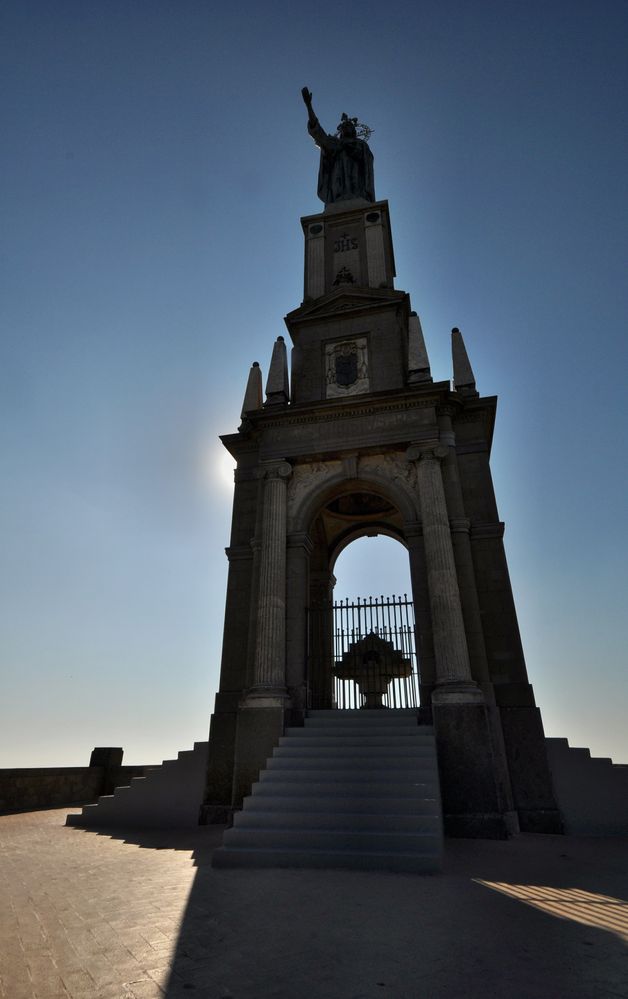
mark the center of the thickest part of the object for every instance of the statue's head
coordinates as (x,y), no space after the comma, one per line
(346,129)
(351,128)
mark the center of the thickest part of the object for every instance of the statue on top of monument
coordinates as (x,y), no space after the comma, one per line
(346,165)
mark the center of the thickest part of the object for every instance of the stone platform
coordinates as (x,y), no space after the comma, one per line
(136,915)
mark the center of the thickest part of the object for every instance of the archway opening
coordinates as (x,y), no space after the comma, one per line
(372,566)
(362,635)
(361,632)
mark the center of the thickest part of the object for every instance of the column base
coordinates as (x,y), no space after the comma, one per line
(263,696)
(457,692)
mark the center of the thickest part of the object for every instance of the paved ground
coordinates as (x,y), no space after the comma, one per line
(144,915)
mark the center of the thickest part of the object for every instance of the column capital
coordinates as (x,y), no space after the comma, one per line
(446,409)
(275,470)
(430,451)
(412,529)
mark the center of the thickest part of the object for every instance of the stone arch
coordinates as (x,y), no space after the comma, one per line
(331,504)
(328,482)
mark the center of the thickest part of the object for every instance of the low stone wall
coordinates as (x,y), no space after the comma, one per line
(30,788)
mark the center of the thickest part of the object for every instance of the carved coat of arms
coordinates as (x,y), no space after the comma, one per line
(347,368)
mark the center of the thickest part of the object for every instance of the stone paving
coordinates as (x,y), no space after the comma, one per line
(138,915)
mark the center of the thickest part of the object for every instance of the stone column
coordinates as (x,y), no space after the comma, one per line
(413,534)
(461,540)
(453,671)
(473,800)
(298,568)
(269,680)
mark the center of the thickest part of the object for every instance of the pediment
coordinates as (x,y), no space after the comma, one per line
(345,300)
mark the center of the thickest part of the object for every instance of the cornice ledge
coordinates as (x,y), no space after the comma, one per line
(317,309)
(343,413)
(481,531)
(237,553)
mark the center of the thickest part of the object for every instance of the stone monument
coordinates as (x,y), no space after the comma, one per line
(359,439)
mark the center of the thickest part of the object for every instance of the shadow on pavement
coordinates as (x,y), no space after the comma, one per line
(534,917)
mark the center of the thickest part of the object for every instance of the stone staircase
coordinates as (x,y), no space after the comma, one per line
(169,796)
(591,792)
(351,789)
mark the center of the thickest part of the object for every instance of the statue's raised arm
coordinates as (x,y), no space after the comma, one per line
(346,165)
(307,98)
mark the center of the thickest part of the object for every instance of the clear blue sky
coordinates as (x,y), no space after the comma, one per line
(155,164)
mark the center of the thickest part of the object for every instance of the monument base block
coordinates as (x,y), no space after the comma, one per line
(219,786)
(258,732)
(473,806)
(530,776)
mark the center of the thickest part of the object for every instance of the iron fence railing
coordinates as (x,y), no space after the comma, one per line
(362,654)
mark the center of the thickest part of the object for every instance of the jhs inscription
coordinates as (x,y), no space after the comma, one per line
(345,243)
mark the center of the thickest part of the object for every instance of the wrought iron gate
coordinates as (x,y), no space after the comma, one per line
(363,654)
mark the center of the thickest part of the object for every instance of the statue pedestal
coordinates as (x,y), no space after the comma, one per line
(350,243)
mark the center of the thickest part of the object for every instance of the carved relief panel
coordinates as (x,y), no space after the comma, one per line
(344,254)
(307,479)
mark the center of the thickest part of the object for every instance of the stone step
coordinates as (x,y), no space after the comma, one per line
(380,735)
(375,776)
(591,791)
(415,863)
(357,736)
(169,796)
(328,726)
(422,766)
(361,719)
(357,790)
(333,840)
(331,820)
(298,747)
(295,801)
(282,784)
